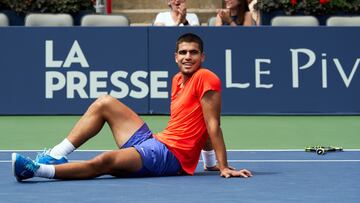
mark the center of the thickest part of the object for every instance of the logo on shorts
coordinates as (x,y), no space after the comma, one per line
(143,151)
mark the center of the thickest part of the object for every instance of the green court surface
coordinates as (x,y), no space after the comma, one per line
(240,132)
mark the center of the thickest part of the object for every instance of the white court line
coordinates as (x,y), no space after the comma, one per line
(231,161)
(229,150)
(291,161)
(259,161)
(40,150)
(278,150)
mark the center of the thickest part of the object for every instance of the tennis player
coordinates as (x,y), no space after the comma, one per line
(194,116)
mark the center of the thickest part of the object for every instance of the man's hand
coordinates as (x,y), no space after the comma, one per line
(215,168)
(227,173)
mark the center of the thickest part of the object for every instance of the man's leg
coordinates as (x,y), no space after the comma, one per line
(123,122)
(121,119)
(116,163)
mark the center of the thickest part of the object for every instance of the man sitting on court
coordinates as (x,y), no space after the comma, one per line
(195,116)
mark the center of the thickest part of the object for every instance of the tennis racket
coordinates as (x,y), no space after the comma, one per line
(321,150)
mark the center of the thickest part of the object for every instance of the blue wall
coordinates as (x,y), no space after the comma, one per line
(264,70)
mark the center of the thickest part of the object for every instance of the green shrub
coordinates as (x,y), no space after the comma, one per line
(47,6)
(310,7)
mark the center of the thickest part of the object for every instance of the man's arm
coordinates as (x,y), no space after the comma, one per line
(211,106)
(208,156)
(208,151)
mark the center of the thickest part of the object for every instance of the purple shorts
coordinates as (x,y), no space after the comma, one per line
(157,159)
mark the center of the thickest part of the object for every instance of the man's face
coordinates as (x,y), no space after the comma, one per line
(189,58)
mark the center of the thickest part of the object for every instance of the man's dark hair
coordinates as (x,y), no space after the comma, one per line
(190,37)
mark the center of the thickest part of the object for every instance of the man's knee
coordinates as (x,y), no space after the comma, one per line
(101,164)
(104,102)
(107,100)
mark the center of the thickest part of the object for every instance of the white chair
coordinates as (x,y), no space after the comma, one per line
(4,21)
(46,19)
(211,21)
(343,21)
(294,21)
(105,20)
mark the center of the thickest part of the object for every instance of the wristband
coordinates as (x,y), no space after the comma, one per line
(209,158)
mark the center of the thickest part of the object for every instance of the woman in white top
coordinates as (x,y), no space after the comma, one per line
(177,16)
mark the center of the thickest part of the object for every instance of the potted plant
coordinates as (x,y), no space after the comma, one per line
(77,8)
(15,10)
(319,8)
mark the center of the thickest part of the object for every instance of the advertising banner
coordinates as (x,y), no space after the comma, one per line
(264,70)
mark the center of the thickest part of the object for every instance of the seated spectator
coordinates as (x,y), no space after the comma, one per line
(177,16)
(255,14)
(235,13)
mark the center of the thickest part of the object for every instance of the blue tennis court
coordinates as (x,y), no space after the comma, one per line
(279,176)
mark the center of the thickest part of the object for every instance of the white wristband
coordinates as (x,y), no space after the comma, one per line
(209,158)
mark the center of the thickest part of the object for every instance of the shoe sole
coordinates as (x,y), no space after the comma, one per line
(13,160)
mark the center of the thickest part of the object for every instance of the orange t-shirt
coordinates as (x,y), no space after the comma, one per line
(186,132)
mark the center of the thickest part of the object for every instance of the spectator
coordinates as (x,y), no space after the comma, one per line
(255,14)
(235,13)
(177,16)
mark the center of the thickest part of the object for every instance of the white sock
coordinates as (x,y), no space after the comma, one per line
(45,171)
(62,149)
